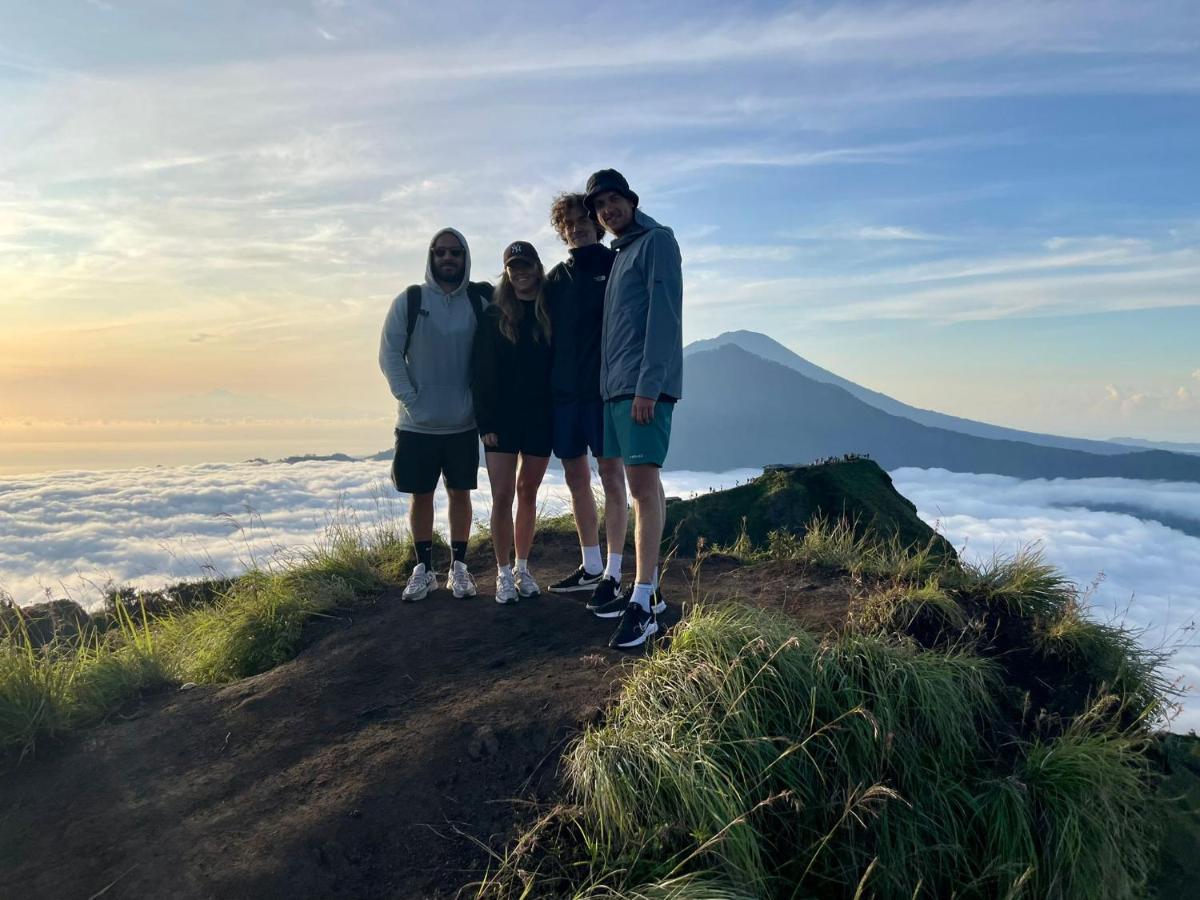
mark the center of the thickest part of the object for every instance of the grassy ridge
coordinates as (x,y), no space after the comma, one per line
(917,753)
(253,623)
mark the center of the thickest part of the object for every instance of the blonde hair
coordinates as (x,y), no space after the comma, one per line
(512,310)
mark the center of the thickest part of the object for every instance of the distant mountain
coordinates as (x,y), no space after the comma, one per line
(1172,446)
(772,350)
(741,410)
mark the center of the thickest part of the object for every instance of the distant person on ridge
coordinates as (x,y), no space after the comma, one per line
(425,353)
(511,386)
(641,378)
(575,291)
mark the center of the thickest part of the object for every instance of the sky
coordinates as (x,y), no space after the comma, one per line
(988,209)
(72,533)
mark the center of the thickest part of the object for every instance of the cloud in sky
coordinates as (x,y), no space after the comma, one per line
(201,189)
(70,531)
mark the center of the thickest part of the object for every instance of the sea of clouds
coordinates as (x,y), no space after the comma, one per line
(72,533)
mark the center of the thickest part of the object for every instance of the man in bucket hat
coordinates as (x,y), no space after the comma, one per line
(641,379)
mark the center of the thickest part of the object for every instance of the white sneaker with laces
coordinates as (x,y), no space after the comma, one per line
(526,586)
(460,581)
(420,583)
(506,591)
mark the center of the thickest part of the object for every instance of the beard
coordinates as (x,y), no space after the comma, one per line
(450,272)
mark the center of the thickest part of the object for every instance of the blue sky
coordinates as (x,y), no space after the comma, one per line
(991,209)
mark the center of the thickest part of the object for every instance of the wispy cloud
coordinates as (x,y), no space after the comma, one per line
(281,188)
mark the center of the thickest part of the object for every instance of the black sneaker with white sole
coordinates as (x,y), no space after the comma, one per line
(637,626)
(579,580)
(658,605)
(607,600)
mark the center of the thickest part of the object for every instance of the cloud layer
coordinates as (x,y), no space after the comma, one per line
(1146,574)
(71,532)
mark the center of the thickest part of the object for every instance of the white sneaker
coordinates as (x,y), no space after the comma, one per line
(506,591)
(526,586)
(420,583)
(459,580)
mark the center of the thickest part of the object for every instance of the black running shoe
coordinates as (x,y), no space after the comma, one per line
(636,627)
(579,580)
(607,601)
(658,605)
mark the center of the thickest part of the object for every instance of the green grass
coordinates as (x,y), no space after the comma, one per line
(750,753)
(254,624)
(49,690)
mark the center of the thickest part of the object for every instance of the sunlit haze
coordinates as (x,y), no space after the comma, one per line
(989,209)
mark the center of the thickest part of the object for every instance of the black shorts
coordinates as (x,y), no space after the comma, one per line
(531,434)
(421,458)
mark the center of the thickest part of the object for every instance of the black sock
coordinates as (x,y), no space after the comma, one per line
(459,549)
(425,554)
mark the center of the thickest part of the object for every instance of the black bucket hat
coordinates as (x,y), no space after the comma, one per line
(607,180)
(521,250)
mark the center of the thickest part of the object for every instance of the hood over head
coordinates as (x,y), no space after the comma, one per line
(429,279)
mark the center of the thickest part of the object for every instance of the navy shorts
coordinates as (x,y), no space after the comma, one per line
(578,428)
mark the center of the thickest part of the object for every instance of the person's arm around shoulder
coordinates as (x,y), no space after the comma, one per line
(664,317)
(483,378)
(391,351)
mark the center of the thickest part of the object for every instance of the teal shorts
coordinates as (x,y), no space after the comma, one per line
(637,444)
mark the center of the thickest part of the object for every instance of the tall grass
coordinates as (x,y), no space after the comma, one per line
(256,623)
(48,690)
(752,754)
(840,545)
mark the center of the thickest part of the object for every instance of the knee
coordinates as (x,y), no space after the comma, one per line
(644,487)
(502,497)
(613,481)
(527,493)
(578,476)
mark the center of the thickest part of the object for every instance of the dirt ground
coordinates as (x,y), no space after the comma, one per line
(383,762)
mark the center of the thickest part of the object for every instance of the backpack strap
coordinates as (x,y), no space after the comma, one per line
(413,307)
(478,292)
(480,295)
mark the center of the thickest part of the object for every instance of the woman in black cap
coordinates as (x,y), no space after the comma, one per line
(513,408)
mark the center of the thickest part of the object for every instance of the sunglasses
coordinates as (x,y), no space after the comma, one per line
(439,252)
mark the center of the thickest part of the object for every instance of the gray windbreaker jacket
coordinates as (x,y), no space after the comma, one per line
(433,385)
(641,347)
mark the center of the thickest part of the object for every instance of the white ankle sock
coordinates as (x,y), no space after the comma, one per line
(613,569)
(522,565)
(504,570)
(641,595)
(592,563)
(655,582)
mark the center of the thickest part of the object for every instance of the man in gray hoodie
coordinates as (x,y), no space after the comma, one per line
(641,378)
(425,354)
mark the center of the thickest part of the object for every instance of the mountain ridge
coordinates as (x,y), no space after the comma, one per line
(742,410)
(768,348)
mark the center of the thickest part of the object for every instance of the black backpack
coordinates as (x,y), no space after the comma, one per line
(478,292)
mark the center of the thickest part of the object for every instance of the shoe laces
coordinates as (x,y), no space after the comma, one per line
(418,577)
(459,574)
(504,580)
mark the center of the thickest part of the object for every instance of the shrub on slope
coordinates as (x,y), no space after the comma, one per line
(918,753)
